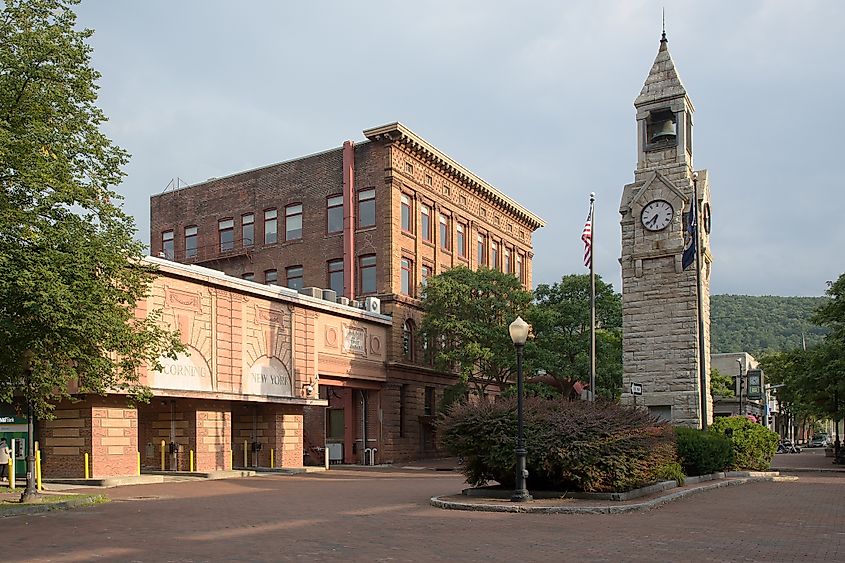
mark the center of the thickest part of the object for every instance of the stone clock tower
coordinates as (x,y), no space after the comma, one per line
(660,325)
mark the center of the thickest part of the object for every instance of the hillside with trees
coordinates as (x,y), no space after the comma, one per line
(758,324)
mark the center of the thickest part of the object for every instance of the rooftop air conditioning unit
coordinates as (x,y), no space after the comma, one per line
(372,305)
(315,292)
(343,300)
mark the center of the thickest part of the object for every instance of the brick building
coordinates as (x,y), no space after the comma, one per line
(237,395)
(367,219)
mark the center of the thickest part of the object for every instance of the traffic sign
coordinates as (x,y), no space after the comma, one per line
(636,389)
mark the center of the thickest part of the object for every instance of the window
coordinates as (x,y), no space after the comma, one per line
(494,256)
(426,273)
(482,211)
(409,168)
(403,399)
(167,244)
(271,226)
(226,230)
(445,238)
(507,265)
(446,190)
(428,180)
(293,222)
(461,243)
(336,276)
(367,208)
(406,213)
(191,242)
(462,199)
(271,276)
(407,275)
(428,409)
(248,276)
(425,222)
(479,255)
(367,273)
(408,339)
(294,277)
(520,272)
(248,230)
(334,214)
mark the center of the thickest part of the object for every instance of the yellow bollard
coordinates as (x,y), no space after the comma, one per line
(245,453)
(139,463)
(272,465)
(38,470)
(11,472)
(162,455)
(192,461)
(87,470)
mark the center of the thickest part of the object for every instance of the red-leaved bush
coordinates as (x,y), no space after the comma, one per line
(572,445)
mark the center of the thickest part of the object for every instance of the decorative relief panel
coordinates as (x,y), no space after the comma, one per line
(181,299)
(267,350)
(189,372)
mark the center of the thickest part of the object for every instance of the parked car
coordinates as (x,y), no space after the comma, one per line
(819,441)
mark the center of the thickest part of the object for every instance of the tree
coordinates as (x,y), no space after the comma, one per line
(467,314)
(70,270)
(561,321)
(721,385)
(814,379)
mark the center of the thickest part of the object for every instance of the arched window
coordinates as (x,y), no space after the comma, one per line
(408,339)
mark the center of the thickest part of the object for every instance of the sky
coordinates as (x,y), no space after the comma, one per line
(536,97)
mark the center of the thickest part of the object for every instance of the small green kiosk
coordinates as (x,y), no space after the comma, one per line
(14,427)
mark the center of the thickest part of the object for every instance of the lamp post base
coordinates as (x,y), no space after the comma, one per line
(521,496)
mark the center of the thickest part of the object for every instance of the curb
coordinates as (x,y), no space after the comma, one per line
(29,509)
(809,469)
(634,507)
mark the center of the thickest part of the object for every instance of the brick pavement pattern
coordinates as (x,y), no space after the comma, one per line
(384,515)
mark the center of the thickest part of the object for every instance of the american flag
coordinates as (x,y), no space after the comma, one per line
(587,237)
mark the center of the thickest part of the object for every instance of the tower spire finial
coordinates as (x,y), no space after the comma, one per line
(663,35)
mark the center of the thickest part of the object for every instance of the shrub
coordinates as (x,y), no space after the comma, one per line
(754,446)
(571,445)
(671,471)
(702,453)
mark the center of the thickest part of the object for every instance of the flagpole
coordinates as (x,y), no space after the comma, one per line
(592,296)
(702,373)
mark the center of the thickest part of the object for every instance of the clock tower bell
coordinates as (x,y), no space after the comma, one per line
(662,347)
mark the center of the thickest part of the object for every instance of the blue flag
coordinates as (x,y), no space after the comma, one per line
(691,241)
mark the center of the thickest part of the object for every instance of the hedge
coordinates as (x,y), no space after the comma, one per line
(573,445)
(754,446)
(702,453)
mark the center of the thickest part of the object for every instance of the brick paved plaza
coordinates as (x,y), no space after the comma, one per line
(384,515)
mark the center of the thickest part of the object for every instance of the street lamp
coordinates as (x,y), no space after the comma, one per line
(741,402)
(519,334)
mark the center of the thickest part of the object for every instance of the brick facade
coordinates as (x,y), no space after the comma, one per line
(393,163)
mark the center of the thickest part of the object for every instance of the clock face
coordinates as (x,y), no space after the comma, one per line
(657,215)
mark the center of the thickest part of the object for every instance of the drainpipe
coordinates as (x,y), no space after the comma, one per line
(364,425)
(349,219)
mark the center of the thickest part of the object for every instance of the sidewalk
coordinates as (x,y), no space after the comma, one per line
(810,459)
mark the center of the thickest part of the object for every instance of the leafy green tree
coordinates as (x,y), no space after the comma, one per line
(560,318)
(70,270)
(721,385)
(814,379)
(467,314)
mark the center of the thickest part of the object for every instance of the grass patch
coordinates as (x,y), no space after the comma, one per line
(43,503)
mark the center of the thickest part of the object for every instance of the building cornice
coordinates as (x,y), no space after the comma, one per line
(398,133)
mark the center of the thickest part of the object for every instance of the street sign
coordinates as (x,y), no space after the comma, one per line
(636,389)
